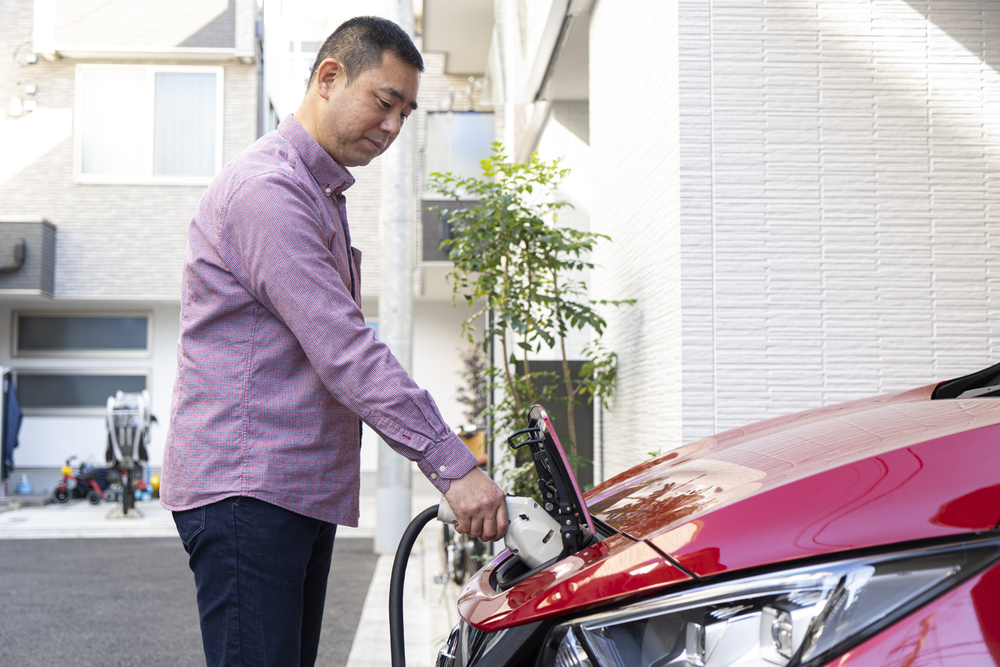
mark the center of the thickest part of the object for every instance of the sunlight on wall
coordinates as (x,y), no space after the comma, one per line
(25,140)
(944,61)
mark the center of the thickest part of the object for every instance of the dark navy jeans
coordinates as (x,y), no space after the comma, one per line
(261,575)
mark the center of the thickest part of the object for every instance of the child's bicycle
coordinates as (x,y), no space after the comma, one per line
(87,482)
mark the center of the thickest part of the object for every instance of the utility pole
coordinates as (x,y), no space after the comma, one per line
(397,217)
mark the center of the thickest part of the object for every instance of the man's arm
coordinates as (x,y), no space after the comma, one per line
(272,240)
(479,505)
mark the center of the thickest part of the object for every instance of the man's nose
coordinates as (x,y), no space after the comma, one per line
(391,124)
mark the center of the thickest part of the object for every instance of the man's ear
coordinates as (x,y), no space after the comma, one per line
(326,74)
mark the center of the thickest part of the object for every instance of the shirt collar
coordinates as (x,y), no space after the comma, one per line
(330,176)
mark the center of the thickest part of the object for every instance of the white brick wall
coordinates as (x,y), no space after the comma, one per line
(839,200)
(803,196)
(634,125)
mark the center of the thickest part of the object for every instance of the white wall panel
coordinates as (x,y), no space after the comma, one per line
(839,200)
(437,348)
(636,170)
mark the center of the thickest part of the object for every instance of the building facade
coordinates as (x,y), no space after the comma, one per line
(802,196)
(116,116)
(124,112)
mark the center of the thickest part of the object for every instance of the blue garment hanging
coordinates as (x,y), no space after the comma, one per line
(12,426)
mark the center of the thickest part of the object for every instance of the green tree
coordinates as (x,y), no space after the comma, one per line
(513,261)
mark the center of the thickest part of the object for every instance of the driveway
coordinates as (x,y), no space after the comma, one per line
(129,602)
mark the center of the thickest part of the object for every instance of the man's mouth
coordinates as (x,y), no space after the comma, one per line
(377,147)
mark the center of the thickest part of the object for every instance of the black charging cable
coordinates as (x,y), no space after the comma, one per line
(396,648)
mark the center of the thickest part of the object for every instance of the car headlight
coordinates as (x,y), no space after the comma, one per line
(802,616)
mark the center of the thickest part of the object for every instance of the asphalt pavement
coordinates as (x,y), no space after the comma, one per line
(131,601)
(82,585)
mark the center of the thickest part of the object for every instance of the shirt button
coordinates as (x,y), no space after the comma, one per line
(328,191)
(434,475)
(443,468)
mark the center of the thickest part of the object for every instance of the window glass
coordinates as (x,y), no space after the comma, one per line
(148,123)
(457,141)
(471,141)
(68,334)
(113,115)
(437,146)
(72,390)
(184,124)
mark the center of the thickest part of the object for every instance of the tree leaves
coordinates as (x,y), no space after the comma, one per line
(510,258)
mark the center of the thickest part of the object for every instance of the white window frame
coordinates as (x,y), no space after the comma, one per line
(81,354)
(149,178)
(71,411)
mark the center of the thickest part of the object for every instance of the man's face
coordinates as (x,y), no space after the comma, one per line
(359,121)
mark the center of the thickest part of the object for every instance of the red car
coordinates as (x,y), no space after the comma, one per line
(861,534)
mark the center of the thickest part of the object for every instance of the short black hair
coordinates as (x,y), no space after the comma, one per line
(360,42)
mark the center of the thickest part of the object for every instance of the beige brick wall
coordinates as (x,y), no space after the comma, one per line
(117,241)
(113,241)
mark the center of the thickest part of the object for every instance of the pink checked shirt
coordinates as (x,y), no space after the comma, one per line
(275,362)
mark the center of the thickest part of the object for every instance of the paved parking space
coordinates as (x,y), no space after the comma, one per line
(73,595)
(131,602)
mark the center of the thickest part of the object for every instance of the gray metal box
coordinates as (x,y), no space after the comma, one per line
(37,273)
(436,229)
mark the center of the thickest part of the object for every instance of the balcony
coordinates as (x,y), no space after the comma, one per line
(124,29)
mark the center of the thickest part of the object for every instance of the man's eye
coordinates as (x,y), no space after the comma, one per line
(383,103)
(403,117)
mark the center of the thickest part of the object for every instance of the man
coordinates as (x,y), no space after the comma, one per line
(275,365)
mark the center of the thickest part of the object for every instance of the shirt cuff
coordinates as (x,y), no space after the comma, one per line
(448,460)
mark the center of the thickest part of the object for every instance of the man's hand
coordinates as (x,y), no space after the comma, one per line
(479,505)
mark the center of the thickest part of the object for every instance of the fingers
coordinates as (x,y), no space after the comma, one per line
(494,523)
(464,526)
(477,529)
(479,506)
(503,521)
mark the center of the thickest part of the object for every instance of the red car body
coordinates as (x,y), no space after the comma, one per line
(829,483)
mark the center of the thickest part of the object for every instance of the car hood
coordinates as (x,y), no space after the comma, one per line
(877,471)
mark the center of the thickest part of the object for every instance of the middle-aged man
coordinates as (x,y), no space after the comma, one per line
(276,365)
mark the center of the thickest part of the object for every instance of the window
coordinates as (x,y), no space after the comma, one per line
(81,335)
(148,124)
(54,392)
(457,141)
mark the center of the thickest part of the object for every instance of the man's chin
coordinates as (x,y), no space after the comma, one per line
(355,161)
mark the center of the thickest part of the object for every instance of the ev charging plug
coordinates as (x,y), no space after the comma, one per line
(532,534)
